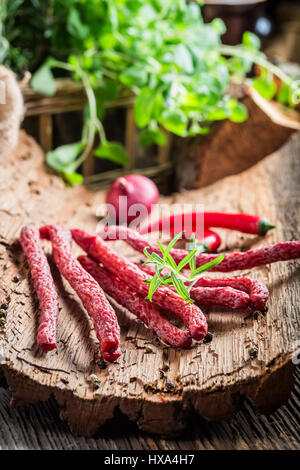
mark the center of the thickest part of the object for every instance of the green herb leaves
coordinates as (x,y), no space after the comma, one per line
(265,87)
(43,81)
(63,157)
(67,158)
(173,276)
(112,151)
(135,75)
(238,112)
(75,26)
(152,136)
(163,53)
(183,59)
(63,160)
(174,121)
(251,41)
(247,54)
(143,107)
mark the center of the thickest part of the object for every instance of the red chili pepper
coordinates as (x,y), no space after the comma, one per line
(92,296)
(213,294)
(210,242)
(142,308)
(258,293)
(163,297)
(195,221)
(283,251)
(44,286)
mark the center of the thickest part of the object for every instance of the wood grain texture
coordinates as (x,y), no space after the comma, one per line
(212,379)
(40,427)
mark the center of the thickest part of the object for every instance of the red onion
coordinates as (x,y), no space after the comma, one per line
(137,189)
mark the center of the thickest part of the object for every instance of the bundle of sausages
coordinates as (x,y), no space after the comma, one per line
(103,270)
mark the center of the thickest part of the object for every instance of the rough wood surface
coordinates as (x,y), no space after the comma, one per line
(212,379)
(39,427)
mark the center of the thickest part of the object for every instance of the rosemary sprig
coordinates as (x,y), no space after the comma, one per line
(174,276)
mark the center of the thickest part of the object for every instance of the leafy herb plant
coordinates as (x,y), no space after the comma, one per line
(162,52)
(174,276)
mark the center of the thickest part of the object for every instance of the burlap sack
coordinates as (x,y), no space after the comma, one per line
(11,111)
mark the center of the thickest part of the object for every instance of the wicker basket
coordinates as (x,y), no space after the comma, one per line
(70,96)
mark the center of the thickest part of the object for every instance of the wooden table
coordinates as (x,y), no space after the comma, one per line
(209,379)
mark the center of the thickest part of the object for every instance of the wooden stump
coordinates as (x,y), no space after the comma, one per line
(211,379)
(233,147)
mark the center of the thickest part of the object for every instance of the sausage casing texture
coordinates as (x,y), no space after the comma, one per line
(44,286)
(136,304)
(213,293)
(164,297)
(92,296)
(283,251)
